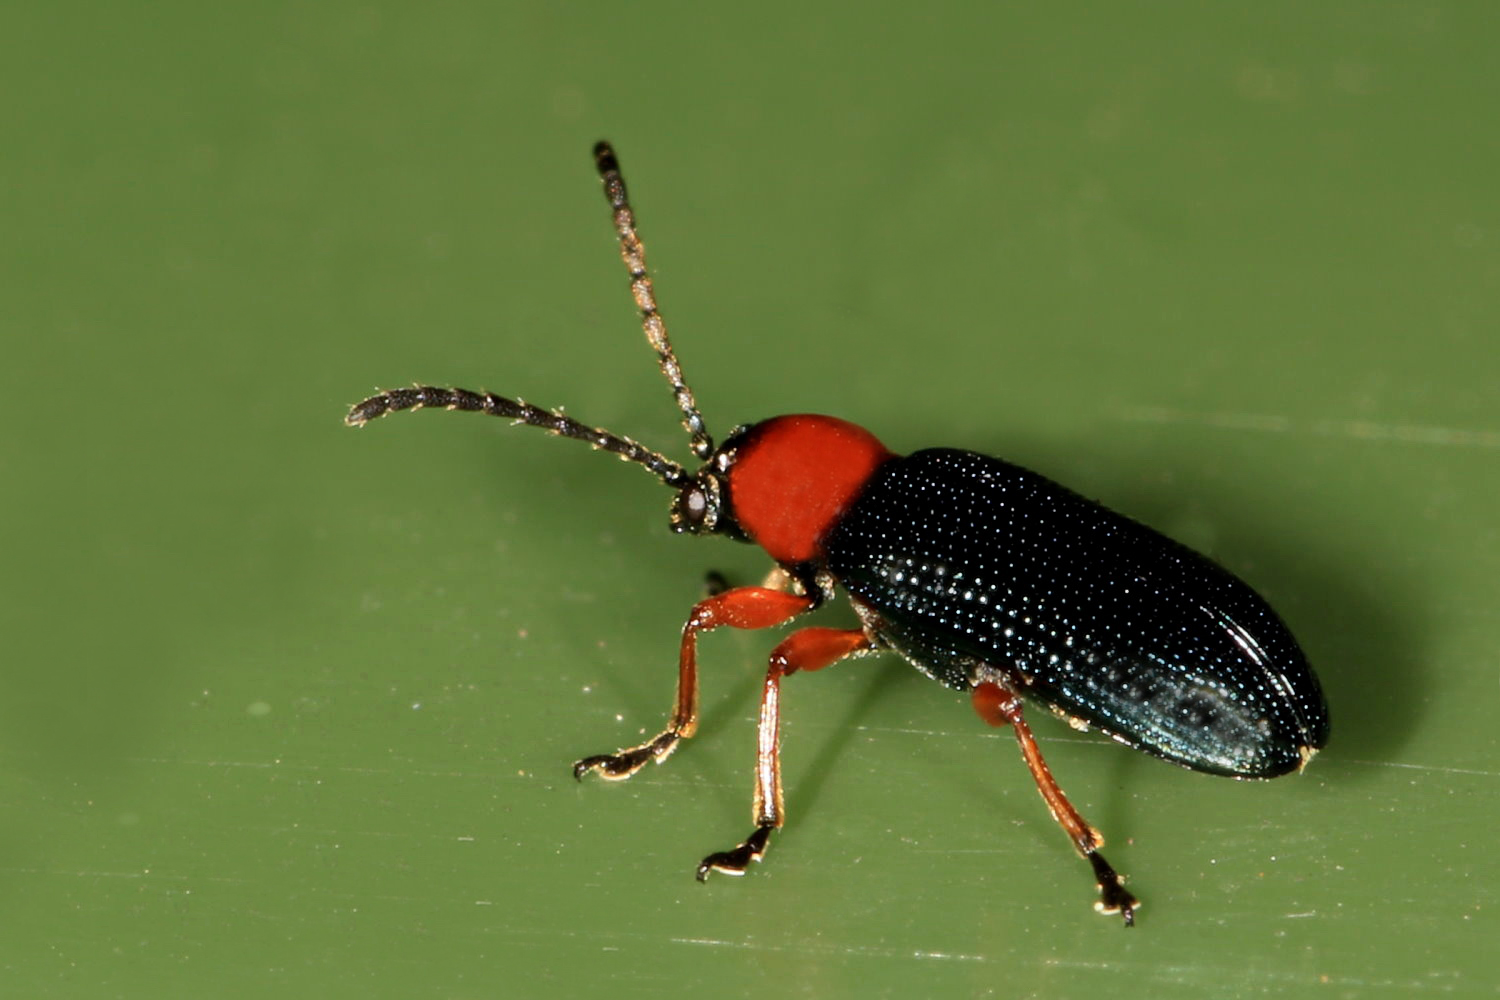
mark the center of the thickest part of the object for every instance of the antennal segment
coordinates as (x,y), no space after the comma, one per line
(634,255)
(427,396)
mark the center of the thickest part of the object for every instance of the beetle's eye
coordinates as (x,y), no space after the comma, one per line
(692,510)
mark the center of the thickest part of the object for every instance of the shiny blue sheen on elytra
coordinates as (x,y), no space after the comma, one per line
(960,561)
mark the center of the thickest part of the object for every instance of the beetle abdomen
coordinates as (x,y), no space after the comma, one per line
(965,559)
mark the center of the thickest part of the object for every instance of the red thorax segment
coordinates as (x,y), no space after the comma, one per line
(794,476)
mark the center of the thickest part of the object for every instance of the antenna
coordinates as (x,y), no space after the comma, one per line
(634,255)
(423,396)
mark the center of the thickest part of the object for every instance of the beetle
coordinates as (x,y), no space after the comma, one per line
(989,578)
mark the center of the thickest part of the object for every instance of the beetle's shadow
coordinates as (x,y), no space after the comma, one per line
(813,775)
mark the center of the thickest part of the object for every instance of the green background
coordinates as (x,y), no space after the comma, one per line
(288,709)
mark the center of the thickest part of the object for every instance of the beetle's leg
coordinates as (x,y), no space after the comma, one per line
(742,607)
(998,705)
(805,649)
(777,578)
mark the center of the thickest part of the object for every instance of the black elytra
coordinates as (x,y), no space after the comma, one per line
(987,577)
(968,560)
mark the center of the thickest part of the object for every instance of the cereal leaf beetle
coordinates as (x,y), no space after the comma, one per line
(985,576)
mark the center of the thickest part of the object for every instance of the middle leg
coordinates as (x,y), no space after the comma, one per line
(807,649)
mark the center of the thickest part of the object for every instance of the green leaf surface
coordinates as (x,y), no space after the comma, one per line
(288,709)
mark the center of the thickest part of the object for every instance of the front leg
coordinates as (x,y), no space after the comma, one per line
(742,607)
